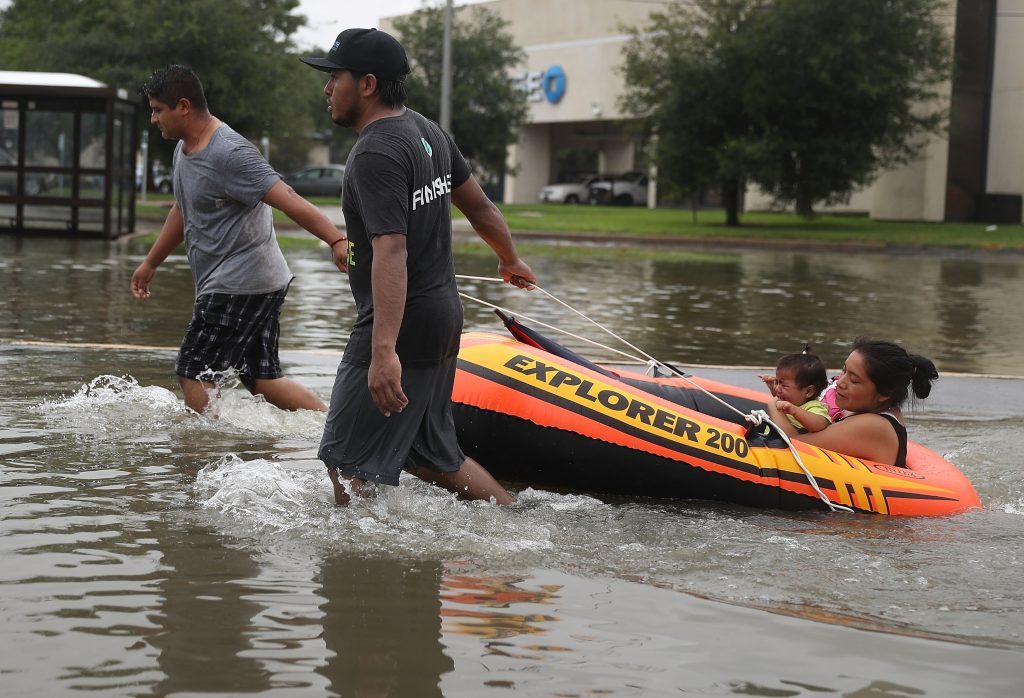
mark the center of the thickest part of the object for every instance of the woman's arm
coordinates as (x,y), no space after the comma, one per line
(868,436)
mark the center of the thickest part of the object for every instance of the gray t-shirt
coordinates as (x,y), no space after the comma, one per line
(229,231)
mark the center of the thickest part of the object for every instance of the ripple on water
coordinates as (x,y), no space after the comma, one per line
(903,573)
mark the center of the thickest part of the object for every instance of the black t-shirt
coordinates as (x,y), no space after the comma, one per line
(398,179)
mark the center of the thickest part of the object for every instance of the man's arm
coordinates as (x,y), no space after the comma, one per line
(389,279)
(172,234)
(491,226)
(283,197)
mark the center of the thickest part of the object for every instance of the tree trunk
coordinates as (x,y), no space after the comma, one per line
(731,201)
(804,205)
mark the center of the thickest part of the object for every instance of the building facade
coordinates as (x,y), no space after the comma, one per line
(572,80)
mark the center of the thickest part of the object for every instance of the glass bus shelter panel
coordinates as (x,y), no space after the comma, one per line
(48,143)
(48,138)
(123,196)
(47,217)
(90,220)
(93,132)
(9,123)
(91,186)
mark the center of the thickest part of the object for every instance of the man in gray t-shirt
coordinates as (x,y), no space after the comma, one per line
(222,187)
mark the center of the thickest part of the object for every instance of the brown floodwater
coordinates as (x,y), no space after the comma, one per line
(149,552)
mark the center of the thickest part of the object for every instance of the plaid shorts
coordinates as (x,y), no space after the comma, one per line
(228,331)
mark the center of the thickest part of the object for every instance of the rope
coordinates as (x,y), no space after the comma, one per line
(759,417)
(550,327)
(756,417)
(644,354)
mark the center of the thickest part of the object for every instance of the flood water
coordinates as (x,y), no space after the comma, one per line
(149,552)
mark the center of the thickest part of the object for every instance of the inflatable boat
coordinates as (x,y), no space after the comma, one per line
(535,413)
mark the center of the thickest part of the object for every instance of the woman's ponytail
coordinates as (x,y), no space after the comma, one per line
(924,374)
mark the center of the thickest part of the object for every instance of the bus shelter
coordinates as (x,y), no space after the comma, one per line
(67,156)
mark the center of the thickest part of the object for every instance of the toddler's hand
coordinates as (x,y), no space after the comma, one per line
(785,407)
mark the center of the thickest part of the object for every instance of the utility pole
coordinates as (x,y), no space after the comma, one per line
(446,70)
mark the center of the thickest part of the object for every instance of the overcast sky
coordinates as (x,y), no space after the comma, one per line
(325,18)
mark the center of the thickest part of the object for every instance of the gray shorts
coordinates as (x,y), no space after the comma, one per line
(360,442)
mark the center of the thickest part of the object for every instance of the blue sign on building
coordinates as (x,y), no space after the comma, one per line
(543,84)
(554,84)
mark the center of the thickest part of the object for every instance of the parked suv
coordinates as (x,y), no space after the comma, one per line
(620,190)
(568,192)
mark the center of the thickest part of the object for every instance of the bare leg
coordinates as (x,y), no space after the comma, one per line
(286,394)
(197,395)
(341,497)
(471,481)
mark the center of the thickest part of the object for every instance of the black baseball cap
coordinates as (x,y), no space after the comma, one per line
(364,51)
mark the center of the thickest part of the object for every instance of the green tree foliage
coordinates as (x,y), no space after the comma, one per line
(809,99)
(487,107)
(239,48)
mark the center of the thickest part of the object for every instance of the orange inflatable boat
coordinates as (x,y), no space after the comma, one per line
(535,413)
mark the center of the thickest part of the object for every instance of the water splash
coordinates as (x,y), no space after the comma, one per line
(110,403)
(260,489)
(414,518)
(237,410)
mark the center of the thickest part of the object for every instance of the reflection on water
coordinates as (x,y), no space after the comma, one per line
(382,626)
(743,308)
(490,594)
(747,308)
(148,551)
(204,616)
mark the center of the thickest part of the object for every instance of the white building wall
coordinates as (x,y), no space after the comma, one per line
(860,201)
(916,191)
(585,39)
(532,158)
(1005,173)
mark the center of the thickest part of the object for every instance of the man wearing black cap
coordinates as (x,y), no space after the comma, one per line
(391,404)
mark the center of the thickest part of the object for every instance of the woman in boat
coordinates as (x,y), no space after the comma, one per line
(875,383)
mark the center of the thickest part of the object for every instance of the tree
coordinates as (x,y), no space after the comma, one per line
(809,99)
(239,48)
(487,107)
(843,90)
(679,74)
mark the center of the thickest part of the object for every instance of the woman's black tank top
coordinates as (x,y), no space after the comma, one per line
(901,434)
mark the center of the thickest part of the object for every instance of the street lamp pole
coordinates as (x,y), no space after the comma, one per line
(446,70)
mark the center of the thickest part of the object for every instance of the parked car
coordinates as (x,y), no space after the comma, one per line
(627,189)
(160,178)
(568,192)
(317,180)
(162,181)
